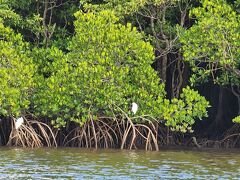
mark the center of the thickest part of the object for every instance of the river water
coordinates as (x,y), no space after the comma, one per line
(74,163)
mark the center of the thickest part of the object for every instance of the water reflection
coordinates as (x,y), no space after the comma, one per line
(73,163)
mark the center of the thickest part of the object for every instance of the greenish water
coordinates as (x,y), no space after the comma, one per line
(73,163)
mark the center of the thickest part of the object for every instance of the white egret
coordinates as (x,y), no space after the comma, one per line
(134,107)
(18,122)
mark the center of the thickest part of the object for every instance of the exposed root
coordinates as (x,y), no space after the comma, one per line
(117,131)
(231,139)
(31,134)
(93,134)
(114,132)
(139,135)
(120,131)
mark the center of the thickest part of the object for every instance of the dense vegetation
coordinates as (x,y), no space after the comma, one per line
(72,70)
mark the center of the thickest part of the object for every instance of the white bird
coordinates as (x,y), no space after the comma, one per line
(134,107)
(18,122)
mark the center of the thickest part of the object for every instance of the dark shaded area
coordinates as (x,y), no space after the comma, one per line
(224,107)
(4,130)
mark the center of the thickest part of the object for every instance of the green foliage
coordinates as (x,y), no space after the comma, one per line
(44,58)
(236,119)
(211,46)
(7,14)
(181,113)
(109,65)
(120,7)
(102,68)
(39,20)
(16,72)
(24,19)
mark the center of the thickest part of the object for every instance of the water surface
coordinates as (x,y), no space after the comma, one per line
(74,163)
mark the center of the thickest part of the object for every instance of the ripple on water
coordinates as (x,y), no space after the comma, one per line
(73,163)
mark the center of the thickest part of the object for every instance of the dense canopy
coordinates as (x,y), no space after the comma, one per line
(68,63)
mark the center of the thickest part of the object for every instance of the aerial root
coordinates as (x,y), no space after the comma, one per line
(122,132)
(105,132)
(31,134)
(230,139)
(93,134)
(114,133)
(139,135)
